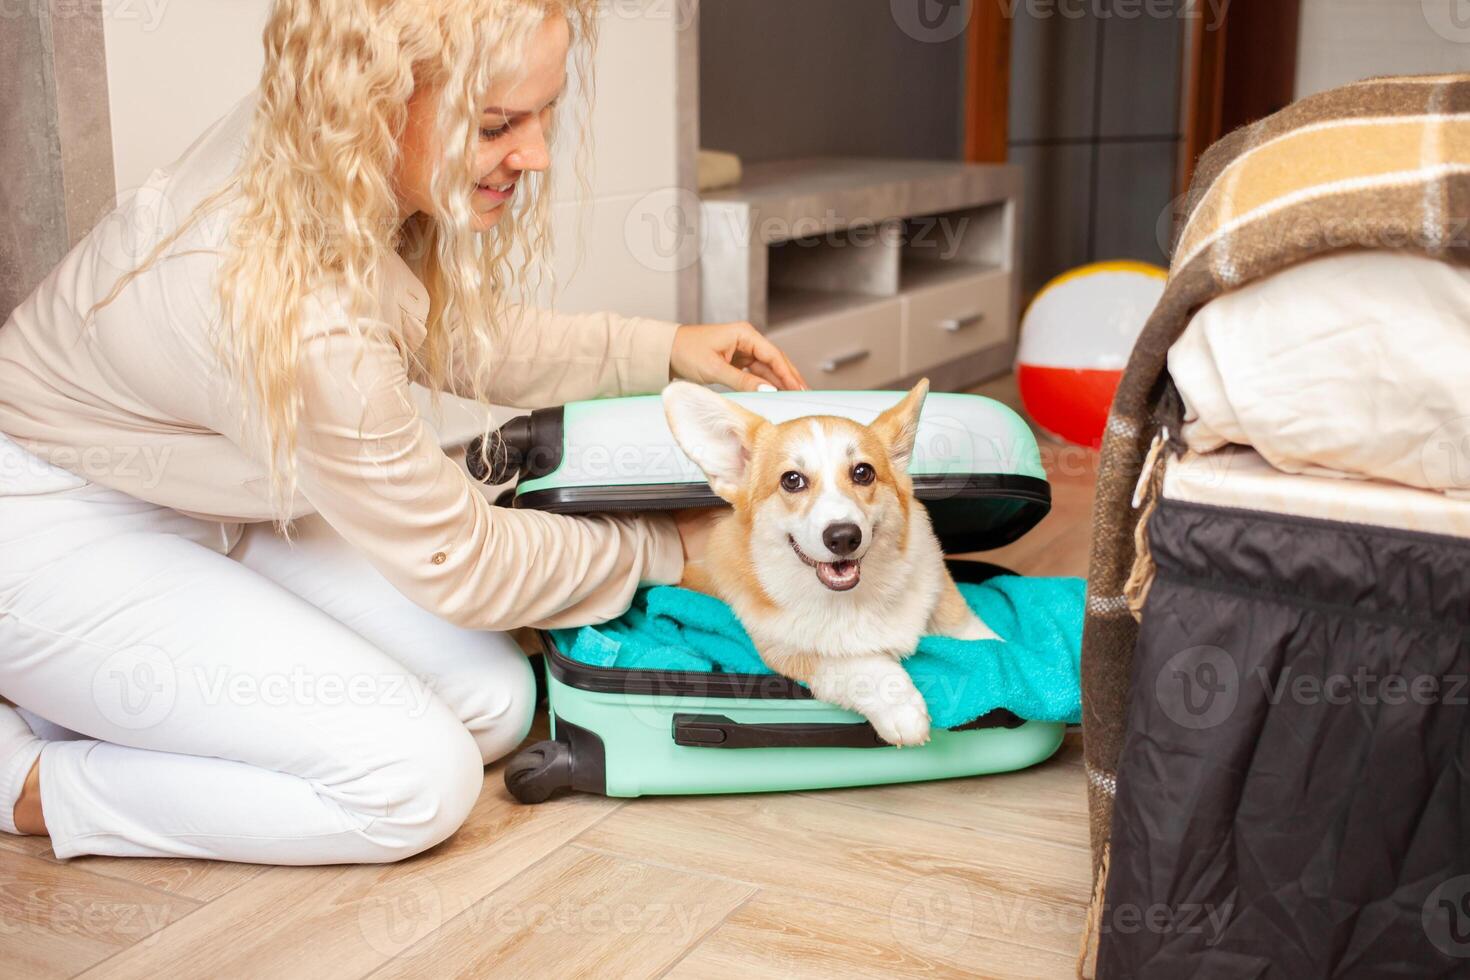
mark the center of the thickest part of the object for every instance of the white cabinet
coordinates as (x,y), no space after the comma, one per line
(847,349)
(962,315)
(869,272)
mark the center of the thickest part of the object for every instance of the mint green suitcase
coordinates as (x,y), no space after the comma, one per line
(625,733)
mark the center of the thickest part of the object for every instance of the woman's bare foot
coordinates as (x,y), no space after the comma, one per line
(29,818)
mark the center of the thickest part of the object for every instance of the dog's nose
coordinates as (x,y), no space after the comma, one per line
(842,539)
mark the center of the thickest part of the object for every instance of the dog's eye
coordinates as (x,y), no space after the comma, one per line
(862,474)
(792,481)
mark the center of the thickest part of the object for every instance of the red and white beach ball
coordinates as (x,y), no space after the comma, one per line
(1075,342)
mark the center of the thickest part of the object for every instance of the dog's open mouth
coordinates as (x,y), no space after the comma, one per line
(839,576)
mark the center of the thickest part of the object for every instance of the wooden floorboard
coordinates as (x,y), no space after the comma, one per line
(200,880)
(348,921)
(780,936)
(576,914)
(1048,801)
(984,877)
(880,863)
(57,920)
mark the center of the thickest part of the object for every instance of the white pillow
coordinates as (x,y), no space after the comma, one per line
(1356,364)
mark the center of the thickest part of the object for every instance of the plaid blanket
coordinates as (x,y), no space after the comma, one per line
(1381,164)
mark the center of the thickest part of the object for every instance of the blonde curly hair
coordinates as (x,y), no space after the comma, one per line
(316,201)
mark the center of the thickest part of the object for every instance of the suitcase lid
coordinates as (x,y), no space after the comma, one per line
(976,464)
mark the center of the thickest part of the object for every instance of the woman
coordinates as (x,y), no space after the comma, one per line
(234,346)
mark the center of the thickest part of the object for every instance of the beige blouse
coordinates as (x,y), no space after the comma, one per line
(139,403)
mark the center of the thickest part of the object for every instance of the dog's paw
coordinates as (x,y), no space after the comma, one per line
(973,628)
(904,724)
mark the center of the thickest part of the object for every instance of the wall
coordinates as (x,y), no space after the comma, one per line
(55,171)
(172,69)
(793,78)
(33,235)
(1347,40)
(1094,120)
(632,247)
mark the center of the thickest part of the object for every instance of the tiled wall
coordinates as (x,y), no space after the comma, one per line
(1346,40)
(781,79)
(1094,120)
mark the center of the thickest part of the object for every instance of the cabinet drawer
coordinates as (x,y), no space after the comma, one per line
(856,348)
(944,322)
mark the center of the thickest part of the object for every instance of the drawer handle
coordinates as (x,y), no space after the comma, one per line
(961,323)
(844,360)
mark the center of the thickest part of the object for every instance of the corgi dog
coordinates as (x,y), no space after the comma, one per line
(826,556)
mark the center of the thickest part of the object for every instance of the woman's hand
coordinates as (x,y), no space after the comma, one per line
(695,526)
(736,355)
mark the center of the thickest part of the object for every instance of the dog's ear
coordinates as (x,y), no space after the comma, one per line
(898,426)
(714,432)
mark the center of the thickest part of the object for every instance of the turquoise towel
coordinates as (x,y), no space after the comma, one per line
(1034,672)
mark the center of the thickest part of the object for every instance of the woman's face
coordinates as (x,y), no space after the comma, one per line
(513,130)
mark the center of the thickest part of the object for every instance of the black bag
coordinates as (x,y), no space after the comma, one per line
(1293,798)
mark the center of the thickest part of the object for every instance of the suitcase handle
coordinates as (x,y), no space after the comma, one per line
(526,447)
(720,732)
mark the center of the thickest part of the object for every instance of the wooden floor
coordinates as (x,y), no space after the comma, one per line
(977,877)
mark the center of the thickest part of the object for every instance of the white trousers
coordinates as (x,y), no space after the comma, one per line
(237,697)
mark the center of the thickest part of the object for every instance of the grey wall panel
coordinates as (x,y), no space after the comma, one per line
(1058,208)
(33,235)
(1134,182)
(1053,73)
(56,175)
(1141,62)
(1094,117)
(793,78)
(83,116)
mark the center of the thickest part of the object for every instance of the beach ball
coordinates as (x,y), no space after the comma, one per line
(1075,341)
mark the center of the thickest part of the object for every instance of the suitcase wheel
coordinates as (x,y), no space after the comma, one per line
(537,771)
